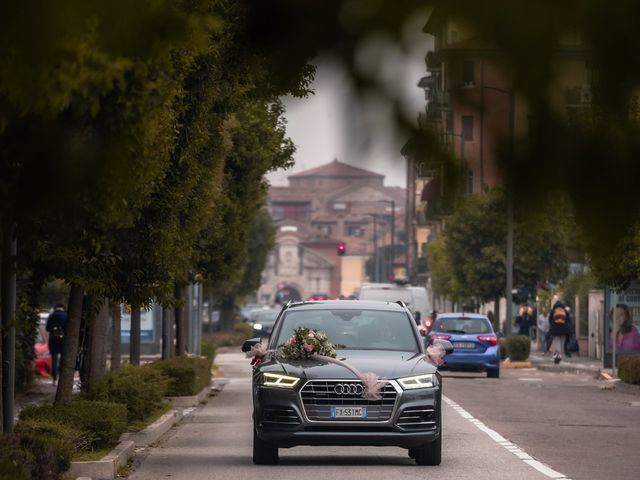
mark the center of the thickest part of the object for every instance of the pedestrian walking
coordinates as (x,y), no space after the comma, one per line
(523,321)
(57,327)
(559,321)
(543,331)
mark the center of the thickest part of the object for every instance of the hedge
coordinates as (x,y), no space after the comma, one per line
(141,388)
(503,348)
(187,375)
(629,369)
(101,423)
(518,347)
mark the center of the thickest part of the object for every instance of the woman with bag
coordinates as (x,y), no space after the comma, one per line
(559,329)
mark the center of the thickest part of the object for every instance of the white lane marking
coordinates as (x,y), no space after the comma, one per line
(530,379)
(507,444)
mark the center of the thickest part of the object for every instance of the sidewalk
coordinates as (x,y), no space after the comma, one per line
(573,364)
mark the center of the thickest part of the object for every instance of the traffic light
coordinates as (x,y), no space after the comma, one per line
(341,249)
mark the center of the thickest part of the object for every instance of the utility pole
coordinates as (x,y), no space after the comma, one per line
(376,259)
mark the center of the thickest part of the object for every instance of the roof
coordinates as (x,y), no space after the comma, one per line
(461,315)
(347,305)
(336,169)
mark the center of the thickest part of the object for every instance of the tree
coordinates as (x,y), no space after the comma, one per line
(473,249)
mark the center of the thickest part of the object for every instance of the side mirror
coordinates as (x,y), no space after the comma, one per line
(248,344)
(417,317)
(446,344)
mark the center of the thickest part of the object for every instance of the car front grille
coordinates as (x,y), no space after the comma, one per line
(318,396)
(417,418)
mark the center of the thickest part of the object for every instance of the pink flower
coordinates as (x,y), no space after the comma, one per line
(292,340)
(311,335)
(308,347)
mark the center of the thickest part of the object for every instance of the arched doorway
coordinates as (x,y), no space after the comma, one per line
(286,293)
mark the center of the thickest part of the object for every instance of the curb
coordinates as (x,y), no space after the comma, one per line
(190,401)
(153,432)
(107,468)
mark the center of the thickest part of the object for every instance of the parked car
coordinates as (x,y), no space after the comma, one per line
(43,357)
(475,343)
(312,402)
(263,322)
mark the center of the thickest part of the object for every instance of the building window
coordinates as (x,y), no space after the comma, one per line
(324,229)
(354,230)
(339,206)
(467,128)
(468,73)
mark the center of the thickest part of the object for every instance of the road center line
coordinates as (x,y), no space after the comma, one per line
(507,444)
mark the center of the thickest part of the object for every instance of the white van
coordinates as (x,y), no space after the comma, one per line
(416,298)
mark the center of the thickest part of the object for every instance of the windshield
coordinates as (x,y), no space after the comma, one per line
(462,325)
(355,329)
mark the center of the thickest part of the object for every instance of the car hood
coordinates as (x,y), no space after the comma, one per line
(384,363)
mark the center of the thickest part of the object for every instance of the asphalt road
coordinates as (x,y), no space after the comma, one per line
(527,425)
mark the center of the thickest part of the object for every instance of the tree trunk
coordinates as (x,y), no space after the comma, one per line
(166,333)
(116,332)
(70,352)
(86,331)
(227,314)
(97,354)
(2,260)
(134,339)
(181,330)
(496,315)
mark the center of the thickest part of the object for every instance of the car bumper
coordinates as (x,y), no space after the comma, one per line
(281,420)
(472,361)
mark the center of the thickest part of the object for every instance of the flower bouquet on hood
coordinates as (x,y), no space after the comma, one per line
(304,343)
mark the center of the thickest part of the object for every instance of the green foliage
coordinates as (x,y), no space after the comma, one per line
(141,388)
(27,320)
(243,328)
(101,422)
(629,369)
(503,348)
(15,461)
(208,350)
(63,440)
(518,347)
(468,262)
(187,375)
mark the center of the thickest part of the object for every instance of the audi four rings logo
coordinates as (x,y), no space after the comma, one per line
(348,389)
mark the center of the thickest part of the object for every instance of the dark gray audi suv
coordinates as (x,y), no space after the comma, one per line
(316,402)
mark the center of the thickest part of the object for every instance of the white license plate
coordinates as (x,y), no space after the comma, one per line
(464,345)
(348,412)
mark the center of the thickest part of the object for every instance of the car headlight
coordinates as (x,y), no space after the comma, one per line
(418,381)
(257,326)
(278,380)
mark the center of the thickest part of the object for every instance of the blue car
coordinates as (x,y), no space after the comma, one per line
(475,344)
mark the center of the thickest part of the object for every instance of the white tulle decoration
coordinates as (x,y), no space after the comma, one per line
(435,354)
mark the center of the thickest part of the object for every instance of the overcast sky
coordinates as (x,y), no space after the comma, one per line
(330,124)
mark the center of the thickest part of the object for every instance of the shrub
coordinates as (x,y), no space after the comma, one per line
(141,388)
(503,348)
(246,329)
(629,369)
(208,351)
(15,462)
(518,347)
(187,375)
(101,422)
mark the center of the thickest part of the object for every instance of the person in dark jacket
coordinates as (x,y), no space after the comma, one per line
(57,327)
(559,329)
